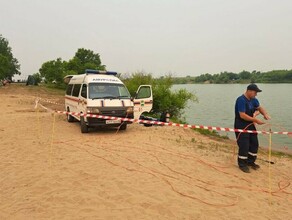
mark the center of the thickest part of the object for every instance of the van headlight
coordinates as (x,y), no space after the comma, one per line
(130,110)
(93,110)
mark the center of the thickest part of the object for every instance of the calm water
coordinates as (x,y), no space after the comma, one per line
(216,108)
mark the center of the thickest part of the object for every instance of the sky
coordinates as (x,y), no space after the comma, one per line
(181,37)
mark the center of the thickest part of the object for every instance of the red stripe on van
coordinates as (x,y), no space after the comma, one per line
(72,99)
(150,102)
(76,100)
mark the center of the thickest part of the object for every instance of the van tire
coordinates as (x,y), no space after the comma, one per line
(83,125)
(70,118)
(123,127)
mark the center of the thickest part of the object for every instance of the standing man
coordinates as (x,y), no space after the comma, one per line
(246,107)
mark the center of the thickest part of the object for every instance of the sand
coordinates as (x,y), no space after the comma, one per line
(49,170)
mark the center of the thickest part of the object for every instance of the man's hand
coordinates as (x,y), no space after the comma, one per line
(264,113)
(259,122)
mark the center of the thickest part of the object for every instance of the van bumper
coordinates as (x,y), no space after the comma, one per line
(94,122)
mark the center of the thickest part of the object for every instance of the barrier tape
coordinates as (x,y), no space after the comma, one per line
(173,124)
(37,102)
(48,101)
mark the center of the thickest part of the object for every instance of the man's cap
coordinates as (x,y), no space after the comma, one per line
(253,87)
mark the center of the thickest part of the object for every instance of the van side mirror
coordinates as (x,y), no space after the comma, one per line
(133,97)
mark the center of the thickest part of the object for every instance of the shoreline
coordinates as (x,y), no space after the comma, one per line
(55,92)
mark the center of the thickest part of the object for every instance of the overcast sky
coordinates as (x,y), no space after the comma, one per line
(183,37)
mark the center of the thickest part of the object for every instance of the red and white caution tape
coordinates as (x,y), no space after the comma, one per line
(173,124)
(37,102)
(48,101)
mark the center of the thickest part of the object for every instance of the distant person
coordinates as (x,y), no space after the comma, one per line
(247,107)
(6,82)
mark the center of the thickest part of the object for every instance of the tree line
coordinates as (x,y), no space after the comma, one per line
(54,71)
(274,76)
(165,99)
(50,71)
(9,65)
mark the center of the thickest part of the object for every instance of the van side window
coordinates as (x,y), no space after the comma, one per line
(76,90)
(84,91)
(69,89)
(144,92)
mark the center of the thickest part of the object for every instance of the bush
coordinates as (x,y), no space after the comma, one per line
(164,99)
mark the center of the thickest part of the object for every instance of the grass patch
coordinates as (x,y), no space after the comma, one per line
(277,153)
(55,88)
(201,131)
(177,120)
(210,133)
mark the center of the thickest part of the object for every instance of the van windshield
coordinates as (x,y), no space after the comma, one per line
(108,91)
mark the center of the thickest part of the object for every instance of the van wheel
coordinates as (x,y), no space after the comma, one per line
(70,118)
(83,125)
(123,127)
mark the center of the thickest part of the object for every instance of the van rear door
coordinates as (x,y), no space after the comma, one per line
(143,101)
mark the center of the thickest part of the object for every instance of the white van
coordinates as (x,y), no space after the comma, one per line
(102,93)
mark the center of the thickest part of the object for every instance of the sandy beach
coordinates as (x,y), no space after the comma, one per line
(50,170)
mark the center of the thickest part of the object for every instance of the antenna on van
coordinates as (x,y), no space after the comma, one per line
(90,71)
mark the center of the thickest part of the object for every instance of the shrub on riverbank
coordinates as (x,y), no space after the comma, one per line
(164,98)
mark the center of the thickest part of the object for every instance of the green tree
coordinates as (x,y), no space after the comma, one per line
(53,71)
(164,98)
(37,77)
(84,59)
(244,75)
(73,66)
(203,78)
(289,76)
(9,65)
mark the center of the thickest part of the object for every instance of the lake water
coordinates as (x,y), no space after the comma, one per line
(216,108)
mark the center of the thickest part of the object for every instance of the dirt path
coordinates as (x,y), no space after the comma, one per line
(49,170)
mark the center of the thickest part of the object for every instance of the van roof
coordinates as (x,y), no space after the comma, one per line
(90,71)
(94,78)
